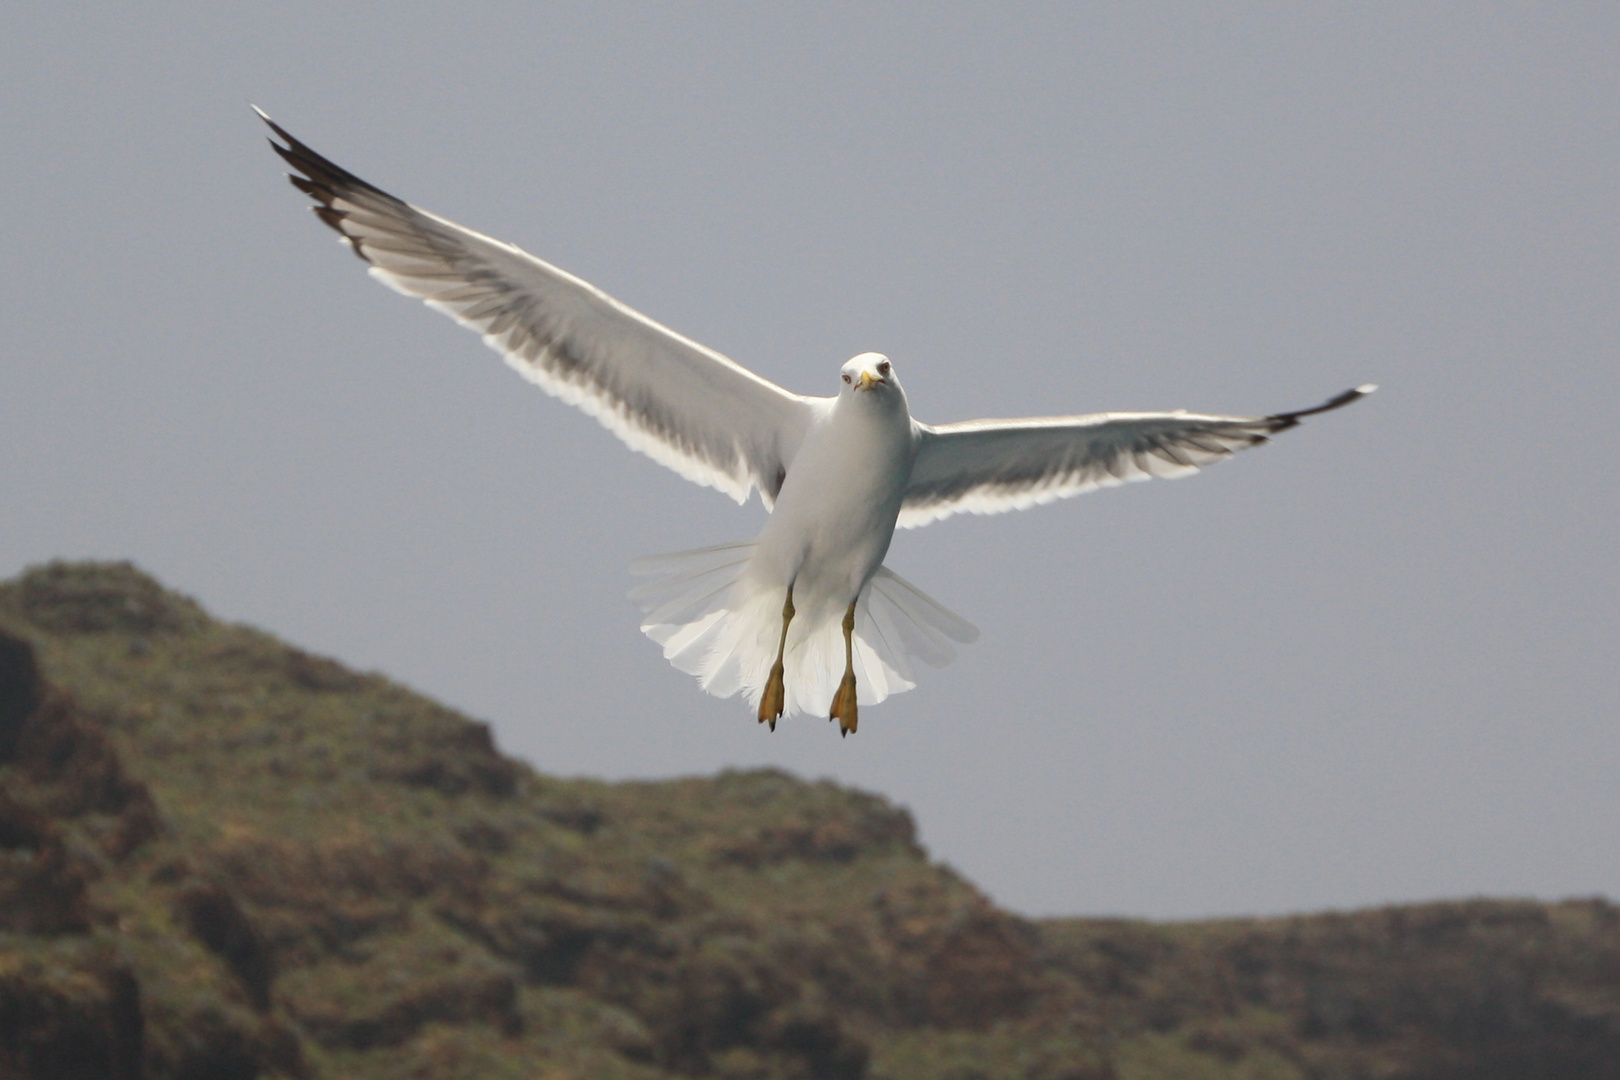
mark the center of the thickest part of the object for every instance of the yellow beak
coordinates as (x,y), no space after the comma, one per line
(868,380)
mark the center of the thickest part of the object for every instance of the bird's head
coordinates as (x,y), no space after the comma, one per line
(867,373)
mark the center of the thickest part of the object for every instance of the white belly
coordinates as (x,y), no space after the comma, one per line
(835,514)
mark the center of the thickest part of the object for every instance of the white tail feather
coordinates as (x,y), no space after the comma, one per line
(723,625)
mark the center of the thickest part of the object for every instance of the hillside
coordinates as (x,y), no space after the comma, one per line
(222,857)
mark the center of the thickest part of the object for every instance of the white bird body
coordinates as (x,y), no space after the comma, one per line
(806,613)
(835,515)
(829,530)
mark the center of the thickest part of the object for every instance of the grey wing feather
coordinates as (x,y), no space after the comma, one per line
(685,406)
(993,466)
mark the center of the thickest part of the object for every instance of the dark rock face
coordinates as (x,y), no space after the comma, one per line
(42,890)
(59,767)
(213,915)
(20,689)
(84,1026)
(82,1019)
(64,759)
(222,858)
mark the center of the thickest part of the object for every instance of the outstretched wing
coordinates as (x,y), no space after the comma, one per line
(992,466)
(679,403)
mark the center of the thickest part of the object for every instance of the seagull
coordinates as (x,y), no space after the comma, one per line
(805,617)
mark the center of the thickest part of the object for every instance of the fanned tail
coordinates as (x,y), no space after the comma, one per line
(895,623)
(721,624)
(689,599)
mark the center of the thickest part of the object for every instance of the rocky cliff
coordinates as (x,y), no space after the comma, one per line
(222,857)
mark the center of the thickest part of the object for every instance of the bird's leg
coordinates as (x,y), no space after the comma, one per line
(775,696)
(843,704)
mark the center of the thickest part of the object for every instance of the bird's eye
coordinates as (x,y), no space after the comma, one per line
(846,378)
(883,368)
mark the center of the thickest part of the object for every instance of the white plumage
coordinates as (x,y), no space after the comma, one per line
(839,474)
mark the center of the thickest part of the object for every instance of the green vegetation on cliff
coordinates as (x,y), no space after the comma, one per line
(221,857)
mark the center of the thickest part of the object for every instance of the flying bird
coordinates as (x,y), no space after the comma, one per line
(804,617)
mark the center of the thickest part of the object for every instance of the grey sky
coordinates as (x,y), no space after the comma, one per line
(1373,662)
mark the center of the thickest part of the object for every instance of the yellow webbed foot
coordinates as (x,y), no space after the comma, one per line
(775,697)
(844,709)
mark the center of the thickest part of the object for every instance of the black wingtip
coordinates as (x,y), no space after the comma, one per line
(322,172)
(1282,421)
(322,180)
(280,132)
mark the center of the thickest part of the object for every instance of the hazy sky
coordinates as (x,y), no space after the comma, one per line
(1373,662)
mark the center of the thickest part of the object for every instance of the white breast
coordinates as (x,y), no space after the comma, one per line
(835,514)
